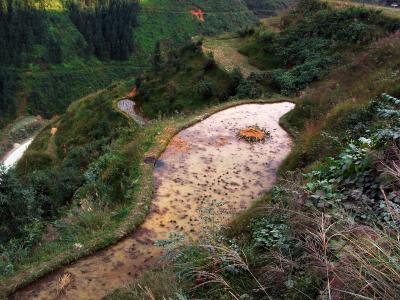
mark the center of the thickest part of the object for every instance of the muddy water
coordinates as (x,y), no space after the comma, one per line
(203,163)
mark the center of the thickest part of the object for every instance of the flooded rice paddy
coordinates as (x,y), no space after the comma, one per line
(202,164)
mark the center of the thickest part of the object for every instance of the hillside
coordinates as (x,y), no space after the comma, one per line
(71,49)
(265,8)
(322,224)
(86,166)
(329,227)
(55,64)
(60,50)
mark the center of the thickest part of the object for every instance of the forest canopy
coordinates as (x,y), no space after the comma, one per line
(107,26)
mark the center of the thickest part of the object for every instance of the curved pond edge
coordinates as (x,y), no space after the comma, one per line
(143,197)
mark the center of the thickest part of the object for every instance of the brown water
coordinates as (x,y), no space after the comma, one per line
(203,163)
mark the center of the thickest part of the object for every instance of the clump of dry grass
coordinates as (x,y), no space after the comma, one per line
(154,284)
(63,282)
(222,257)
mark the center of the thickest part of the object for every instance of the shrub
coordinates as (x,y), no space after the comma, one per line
(248,89)
(205,89)
(105,180)
(34,160)
(209,63)
(268,234)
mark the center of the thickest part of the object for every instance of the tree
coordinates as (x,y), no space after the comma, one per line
(157,57)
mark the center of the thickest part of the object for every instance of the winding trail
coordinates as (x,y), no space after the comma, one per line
(202,164)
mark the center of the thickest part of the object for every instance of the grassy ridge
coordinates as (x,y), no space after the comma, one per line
(329,106)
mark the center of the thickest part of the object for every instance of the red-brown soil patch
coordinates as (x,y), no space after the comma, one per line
(252,133)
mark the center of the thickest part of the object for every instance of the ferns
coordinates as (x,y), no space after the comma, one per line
(390,99)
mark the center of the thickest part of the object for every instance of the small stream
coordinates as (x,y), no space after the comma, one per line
(202,164)
(15,154)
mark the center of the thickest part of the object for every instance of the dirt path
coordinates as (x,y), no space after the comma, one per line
(227,56)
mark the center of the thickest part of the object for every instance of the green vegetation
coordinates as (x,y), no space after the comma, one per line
(329,228)
(187,81)
(8,88)
(51,92)
(171,23)
(50,174)
(265,8)
(50,67)
(65,180)
(106,25)
(22,26)
(386,10)
(52,47)
(314,37)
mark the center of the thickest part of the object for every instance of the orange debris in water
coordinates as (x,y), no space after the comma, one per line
(178,145)
(252,133)
(222,141)
(133,93)
(199,14)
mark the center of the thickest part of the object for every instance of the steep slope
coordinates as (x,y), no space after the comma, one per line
(63,59)
(53,67)
(265,8)
(172,22)
(84,176)
(329,228)
(71,49)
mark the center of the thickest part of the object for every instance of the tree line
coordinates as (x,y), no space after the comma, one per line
(22,24)
(107,26)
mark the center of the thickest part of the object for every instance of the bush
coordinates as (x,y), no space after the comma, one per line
(314,38)
(105,180)
(34,160)
(268,234)
(209,63)
(205,89)
(248,89)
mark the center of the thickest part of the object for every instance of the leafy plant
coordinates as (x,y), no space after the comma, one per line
(268,234)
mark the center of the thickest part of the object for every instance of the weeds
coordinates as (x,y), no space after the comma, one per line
(63,282)
(253,134)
